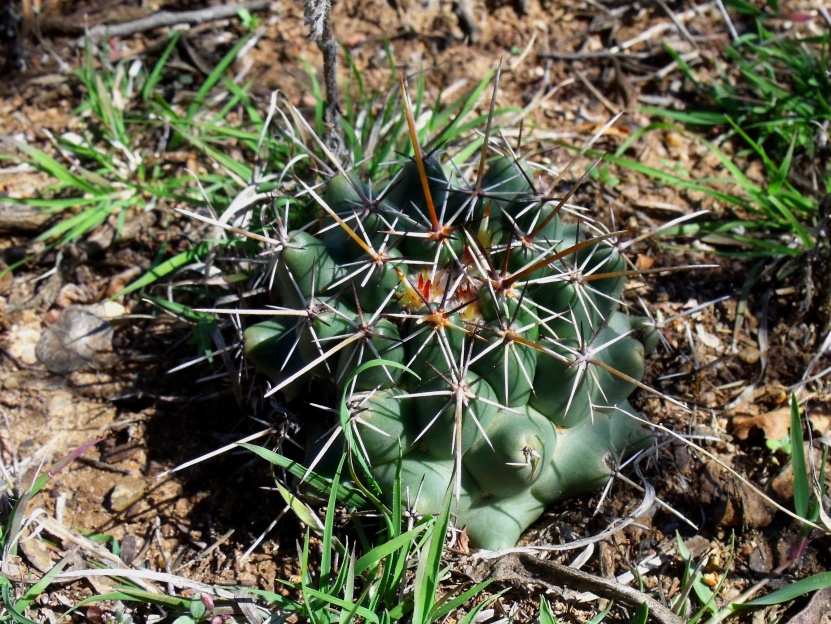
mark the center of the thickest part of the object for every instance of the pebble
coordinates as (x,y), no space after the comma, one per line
(22,340)
(674,139)
(126,492)
(75,340)
(749,355)
(63,406)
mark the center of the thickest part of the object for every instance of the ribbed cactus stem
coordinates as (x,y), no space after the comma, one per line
(519,363)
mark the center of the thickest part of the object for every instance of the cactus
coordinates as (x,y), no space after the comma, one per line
(474,335)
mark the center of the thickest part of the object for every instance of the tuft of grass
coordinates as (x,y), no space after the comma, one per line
(16,599)
(768,218)
(107,169)
(774,85)
(396,580)
(128,156)
(771,101)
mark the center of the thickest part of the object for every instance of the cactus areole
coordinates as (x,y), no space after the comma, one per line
(503,365)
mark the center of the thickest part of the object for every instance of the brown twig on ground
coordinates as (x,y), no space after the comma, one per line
(94,463)
(678,24)
(334,129)
(22,218)
(593,56)
(162,19)
(611,106)
(528,569)
(91,549)
(318,16)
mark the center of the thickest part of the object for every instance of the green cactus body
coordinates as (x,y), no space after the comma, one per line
(382,342)
(506,356)
(383,424)
(468,401)
(511,454)
(271,346)
(505,196)
(520,364)
(305,268)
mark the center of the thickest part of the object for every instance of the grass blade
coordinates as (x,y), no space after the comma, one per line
(156,75)
(166,268)
(428,572)
(346,495)
(801,482)
(215,76)
(790,592)
(379,553)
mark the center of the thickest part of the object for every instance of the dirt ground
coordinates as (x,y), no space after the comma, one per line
(724,361)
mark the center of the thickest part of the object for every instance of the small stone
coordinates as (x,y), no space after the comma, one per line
(112,309)
(13,567)
(758,562)
(749,355)
(126,492)
(22,340)
(129,548)
(781,486)
(674,139)
(698,546)
(709,339)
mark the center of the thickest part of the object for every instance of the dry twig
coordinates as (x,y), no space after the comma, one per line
(527,569)
(318,17)
(163,19)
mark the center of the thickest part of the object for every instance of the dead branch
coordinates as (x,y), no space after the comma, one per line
(525,569)
(334,128)
(318,16)
(592,56)
(22,218)
(163,19)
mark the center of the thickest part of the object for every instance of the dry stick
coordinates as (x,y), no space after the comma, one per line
(671,67)
(172,18)
(656,31)
(207,550)
(328,46)
(104,466)
(723,10)
(89,547)
(528,569)
(680,26)
(22,218)
(585,56)
(611,106)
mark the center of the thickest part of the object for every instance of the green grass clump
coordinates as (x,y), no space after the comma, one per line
(769,103)
(126,158)
(773,85)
